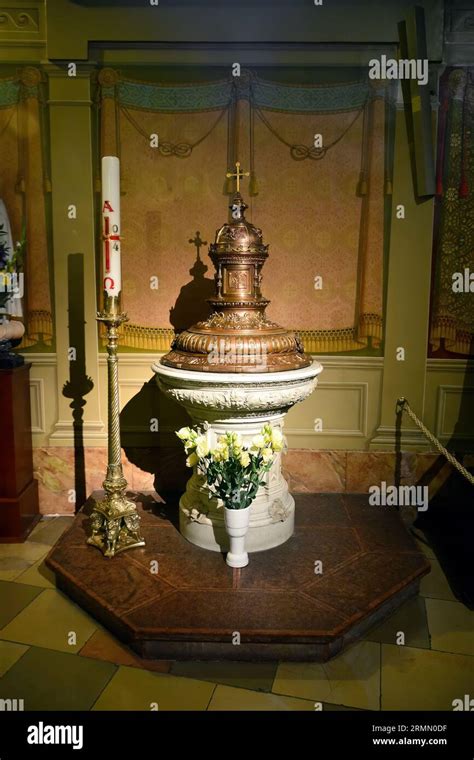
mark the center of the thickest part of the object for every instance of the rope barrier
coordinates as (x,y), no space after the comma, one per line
(404,406)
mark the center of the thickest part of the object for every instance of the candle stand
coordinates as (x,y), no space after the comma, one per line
(115,522)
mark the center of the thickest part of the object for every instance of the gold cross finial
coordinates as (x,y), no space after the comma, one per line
(238,174)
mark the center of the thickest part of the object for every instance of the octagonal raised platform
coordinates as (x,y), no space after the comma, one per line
(194,605)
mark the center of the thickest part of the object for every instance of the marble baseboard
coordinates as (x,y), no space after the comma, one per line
(356,471)
(54,469)
(315,471)
(366,468)
(306,471)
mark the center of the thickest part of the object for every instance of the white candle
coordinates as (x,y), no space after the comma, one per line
(112,278)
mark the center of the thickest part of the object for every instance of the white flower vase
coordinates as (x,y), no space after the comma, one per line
(237,524)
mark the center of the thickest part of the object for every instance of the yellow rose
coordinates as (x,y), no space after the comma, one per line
(184,433)
(267,455)
(245,459)
(277,440)
(192,460)
(221,452)
(258,441)
(202,446)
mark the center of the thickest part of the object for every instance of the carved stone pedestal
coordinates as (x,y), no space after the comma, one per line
(229,402)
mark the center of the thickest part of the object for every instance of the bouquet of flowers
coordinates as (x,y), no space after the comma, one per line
(233,471)
(9,264)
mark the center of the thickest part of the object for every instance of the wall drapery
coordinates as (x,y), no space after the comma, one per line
(171,192)
(24,184)
(452,313)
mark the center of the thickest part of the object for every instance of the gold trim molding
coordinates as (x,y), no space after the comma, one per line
(314,341)
(19,20)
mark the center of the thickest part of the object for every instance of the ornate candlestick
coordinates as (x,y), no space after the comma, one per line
(115,521)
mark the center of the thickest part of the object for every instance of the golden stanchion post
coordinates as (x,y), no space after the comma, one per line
(114,521)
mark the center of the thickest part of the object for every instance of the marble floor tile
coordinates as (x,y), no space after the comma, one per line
(451,626)
(48,622)
(49,529)
(9,654)
(13,599)
(424,546)
(410,620)
(257,676)
(435,584)
(135,689)
(37,575)
(16,558)
(229,698)
(48,680)
(422,679)
(103,646)
(351,679)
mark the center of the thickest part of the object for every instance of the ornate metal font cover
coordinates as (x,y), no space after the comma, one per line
(237,336)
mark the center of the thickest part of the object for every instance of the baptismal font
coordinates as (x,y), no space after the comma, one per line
(235,372)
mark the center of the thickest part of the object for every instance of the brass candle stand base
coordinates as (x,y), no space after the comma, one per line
(114,521)
(115,525)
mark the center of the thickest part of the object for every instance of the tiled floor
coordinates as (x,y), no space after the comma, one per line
(55,656)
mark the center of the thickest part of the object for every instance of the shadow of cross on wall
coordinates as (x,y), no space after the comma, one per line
(191,305)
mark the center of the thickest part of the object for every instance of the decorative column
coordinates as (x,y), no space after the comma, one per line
(408,299)
(73,233)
